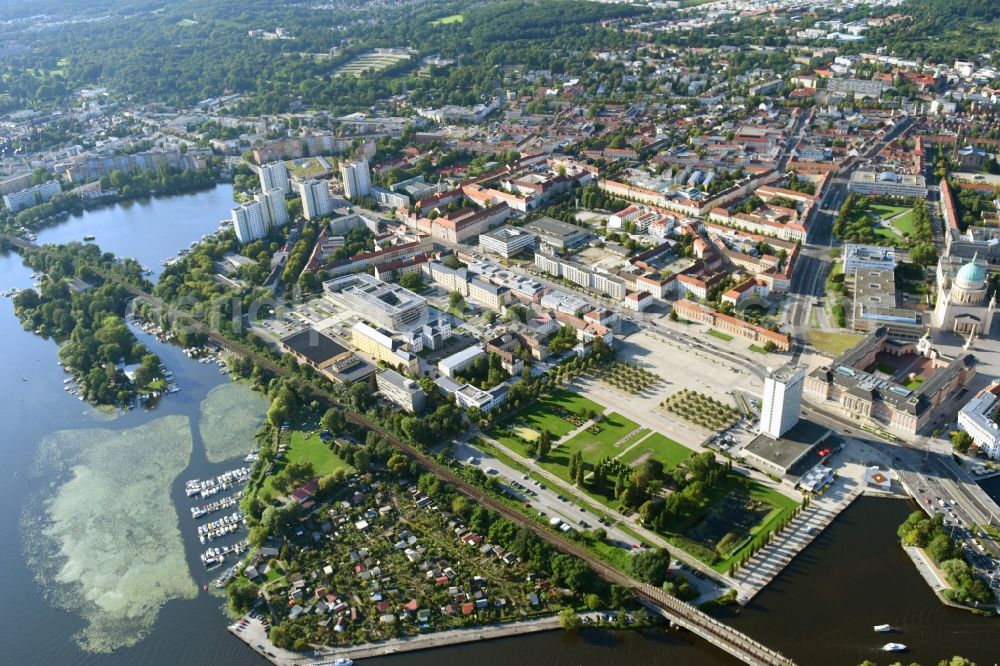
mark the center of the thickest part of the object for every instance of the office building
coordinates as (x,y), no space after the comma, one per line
(316,199)
(386,305)
(248,222)
(887,183)
(507,241)
(274,176)
(401,390)
(876,304)
(272,208)
(32,196)
(357,182)
(871,257)
(782,404)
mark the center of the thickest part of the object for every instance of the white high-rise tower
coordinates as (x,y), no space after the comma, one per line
(316,200)
(248,222)
(782,404)
(272,208)
(274,175)
(356,179)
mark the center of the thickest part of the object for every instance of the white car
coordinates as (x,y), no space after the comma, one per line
(473,460)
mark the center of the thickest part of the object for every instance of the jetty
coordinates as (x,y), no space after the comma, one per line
(217,505)
(208,487)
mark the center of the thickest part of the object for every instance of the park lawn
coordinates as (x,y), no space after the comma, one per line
(445,20)
(311,449)
(664,449)
(541,415)
(720,335)
(832,342)
(913,384)
(614,428)
(904,223)
(758,349)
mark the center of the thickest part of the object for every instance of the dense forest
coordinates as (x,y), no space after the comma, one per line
(87,320)
(187,51)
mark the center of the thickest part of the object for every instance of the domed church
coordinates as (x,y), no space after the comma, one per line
(962,305)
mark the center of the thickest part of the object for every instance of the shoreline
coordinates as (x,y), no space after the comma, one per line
(935,579)
(254,634)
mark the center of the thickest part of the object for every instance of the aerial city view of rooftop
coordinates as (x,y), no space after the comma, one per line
(504,332)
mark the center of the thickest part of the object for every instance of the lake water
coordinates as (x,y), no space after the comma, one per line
(56,452)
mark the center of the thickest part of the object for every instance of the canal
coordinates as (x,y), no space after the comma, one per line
(92,559)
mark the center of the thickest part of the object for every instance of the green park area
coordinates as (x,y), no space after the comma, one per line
(305,445)
(737,515)
(720,335)
(598,442)
(559,413)
(445,20)
(659,447)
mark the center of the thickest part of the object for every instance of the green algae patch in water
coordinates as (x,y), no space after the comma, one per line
(103,541)
(230,415)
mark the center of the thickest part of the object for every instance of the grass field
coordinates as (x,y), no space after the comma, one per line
(885,368)
(614,428)
(311,449)
(719,334)
(593,447)
(832,343)
(445,20)
(541,415)
(913,384)
(758,349)
(903,223)
(660,447)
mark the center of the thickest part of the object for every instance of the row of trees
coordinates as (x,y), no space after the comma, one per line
(931,534)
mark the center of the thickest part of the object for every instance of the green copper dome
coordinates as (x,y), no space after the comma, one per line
(972,273)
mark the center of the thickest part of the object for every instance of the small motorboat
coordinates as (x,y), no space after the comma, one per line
(883,628)
(893,647)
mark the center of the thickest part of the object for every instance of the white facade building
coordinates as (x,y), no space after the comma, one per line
(272,208)
(868,257)
(248,222)
(356,179)
(32,196)
(316,199)
(782,404)
(274,176)
(977,418)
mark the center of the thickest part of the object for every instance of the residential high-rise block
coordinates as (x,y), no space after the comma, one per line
(272,208)
(356,179)
(248,222)
(274,175)
(782,404)
(316,199)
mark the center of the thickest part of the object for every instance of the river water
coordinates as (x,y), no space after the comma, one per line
(76,565)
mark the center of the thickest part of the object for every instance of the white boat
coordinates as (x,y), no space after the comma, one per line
(883,628)
(893,647)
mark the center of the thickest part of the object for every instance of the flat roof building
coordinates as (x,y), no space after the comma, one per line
(327,356)
(507,241)
(874,257)
(401,390)
(384,304)
(876,304)
(782,404)
(556,234)
(450,366)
